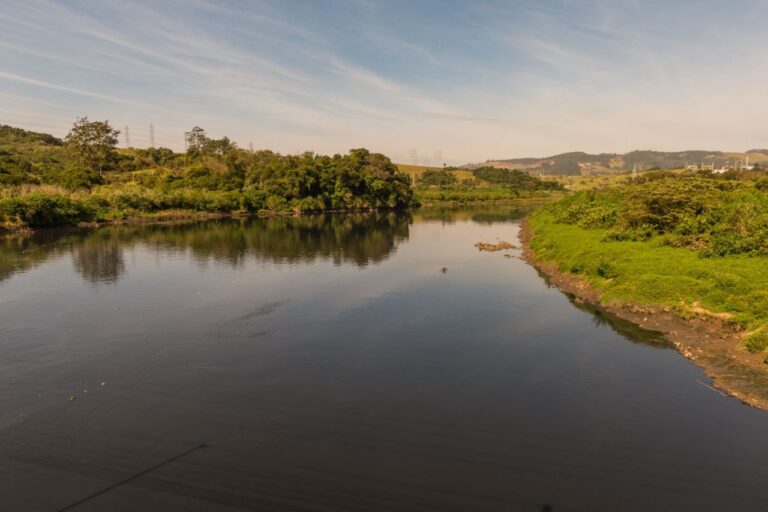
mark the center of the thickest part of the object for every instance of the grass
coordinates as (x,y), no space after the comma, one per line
(651,273)
(429,196)
(414,171)
(593,182)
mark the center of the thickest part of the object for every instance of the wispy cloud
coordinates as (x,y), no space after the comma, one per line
(81,92)
(477,80)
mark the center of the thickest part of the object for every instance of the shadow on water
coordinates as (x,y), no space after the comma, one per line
(624,328)
(98,255)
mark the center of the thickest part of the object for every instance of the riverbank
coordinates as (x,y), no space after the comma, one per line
(33,207)
(156,217)
(712,340)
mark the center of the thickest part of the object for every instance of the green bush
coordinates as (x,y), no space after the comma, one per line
(437,178)
(714,217)
(758,341)
(38,209)
(518,179)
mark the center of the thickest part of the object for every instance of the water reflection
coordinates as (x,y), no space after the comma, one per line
(357,239)
(486,215)
(19,253)
(98,258)
(98,255)
(628,330)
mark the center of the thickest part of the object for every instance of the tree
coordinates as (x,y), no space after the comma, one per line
(437,178)
(219,147)
(93,143)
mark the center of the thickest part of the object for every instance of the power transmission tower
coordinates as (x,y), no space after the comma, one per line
(414,156)
(151,135)
(439,157)
(127,137)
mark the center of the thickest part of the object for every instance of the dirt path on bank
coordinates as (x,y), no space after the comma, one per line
(705,340)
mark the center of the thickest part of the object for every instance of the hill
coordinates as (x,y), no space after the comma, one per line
(579,163)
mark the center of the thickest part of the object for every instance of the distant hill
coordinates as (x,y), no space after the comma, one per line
(577,162)
(12,135)
(25,154)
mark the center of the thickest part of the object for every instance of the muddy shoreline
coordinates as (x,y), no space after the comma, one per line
(706,340)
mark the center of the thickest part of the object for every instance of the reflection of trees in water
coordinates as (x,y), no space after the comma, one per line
(628,330)
(485,215)
(624,328)
(493,216)
(358,239)
(19,253)
(99,257)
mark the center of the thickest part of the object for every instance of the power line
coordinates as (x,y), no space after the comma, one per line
(413,154)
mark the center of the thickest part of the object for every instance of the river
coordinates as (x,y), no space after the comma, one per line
(343,362)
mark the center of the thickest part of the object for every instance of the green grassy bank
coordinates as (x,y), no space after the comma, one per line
(688,243)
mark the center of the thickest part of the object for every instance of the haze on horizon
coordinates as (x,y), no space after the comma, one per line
(474,80)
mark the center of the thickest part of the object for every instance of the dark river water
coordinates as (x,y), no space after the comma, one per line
(328,363)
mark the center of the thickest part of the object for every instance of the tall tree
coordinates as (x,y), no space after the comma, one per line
(93,144)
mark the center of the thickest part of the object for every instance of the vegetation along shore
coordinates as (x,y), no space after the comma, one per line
(46,181)
(681,253)
(85,178)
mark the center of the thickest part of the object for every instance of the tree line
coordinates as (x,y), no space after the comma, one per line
(212,174)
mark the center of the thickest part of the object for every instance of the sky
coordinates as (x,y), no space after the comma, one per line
(443,81)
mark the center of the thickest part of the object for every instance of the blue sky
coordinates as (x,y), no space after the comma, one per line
(469,80)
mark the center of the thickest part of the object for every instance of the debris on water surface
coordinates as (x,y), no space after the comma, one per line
(501,246)
(444,270)
(72,398)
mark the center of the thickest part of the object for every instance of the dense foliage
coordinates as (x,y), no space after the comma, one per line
(477,195)
(513,178)
(437,178)
(48,181)
(486,184)
(715,216)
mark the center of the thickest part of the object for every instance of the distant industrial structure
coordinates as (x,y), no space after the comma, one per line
(735,165)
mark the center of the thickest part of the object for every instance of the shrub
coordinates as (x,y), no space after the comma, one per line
(437,178)
(757,341)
